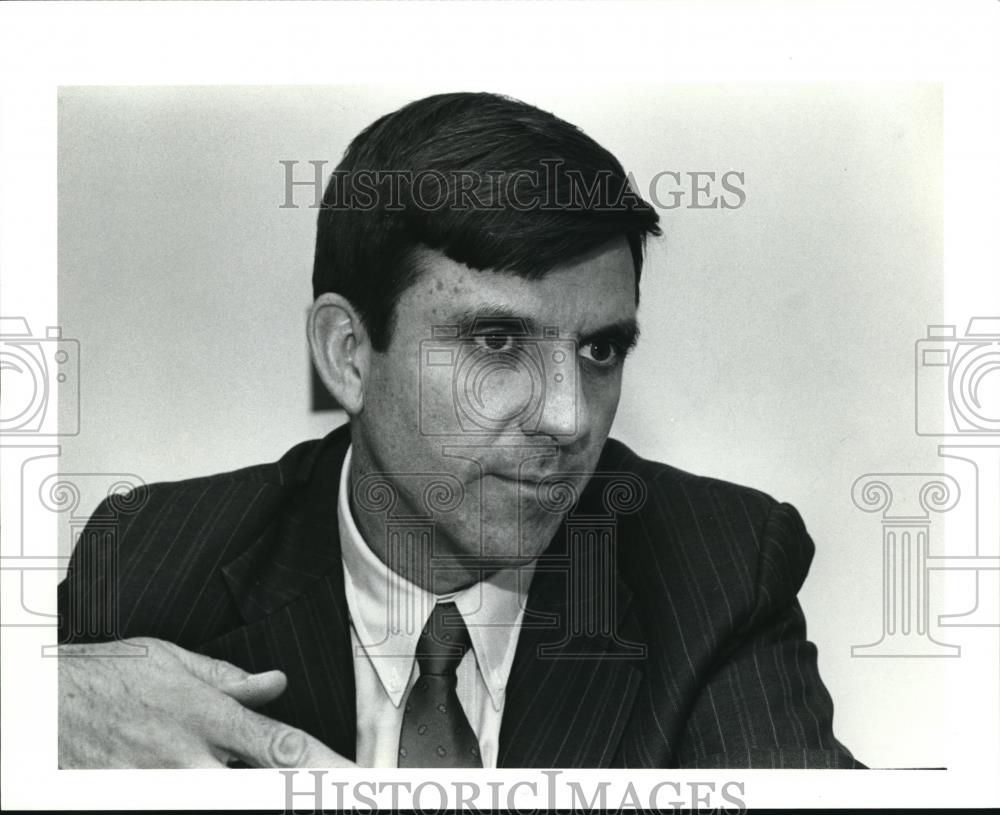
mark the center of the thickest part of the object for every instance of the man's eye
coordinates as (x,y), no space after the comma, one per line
(602,352)
(497,343)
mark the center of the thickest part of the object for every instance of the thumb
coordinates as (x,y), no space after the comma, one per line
(246,688)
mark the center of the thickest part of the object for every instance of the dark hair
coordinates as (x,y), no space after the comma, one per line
(512,188)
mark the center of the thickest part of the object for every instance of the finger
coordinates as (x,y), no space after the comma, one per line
(216,672)
(264,742)
(258,689)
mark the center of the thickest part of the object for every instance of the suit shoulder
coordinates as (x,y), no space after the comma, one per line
(222,511)
(707,537)
(674,484)
(166,544)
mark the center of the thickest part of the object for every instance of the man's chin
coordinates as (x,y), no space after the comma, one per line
(500,545)
(519,546)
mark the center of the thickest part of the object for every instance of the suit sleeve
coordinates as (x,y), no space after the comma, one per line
(764,704)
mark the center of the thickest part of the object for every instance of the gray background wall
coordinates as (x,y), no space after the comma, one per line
(777,343)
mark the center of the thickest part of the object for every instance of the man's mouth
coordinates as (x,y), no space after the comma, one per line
(517,478)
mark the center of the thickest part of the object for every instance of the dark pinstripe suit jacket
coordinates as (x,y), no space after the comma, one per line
(689,652)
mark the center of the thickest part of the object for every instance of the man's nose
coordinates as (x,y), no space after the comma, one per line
(562,413)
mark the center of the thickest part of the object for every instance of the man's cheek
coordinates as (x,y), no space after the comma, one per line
(600,402)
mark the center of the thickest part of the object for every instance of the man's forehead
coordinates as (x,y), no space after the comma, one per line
(578,298)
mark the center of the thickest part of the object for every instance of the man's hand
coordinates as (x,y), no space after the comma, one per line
(172,708)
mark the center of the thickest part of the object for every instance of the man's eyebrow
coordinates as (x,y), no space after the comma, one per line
(625,332)
(492,316)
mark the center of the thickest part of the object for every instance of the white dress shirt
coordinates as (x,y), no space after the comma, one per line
(385,626)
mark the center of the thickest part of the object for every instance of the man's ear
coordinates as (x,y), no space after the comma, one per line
(340,349)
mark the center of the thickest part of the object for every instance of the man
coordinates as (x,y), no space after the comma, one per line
(470,573)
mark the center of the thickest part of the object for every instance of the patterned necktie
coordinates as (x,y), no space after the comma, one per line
(435,731)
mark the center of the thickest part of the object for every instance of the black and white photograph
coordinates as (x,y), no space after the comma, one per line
(437,424)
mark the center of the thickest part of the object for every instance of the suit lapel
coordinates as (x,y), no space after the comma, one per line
(289,588)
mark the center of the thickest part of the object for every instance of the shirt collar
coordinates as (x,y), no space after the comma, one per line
(389,612)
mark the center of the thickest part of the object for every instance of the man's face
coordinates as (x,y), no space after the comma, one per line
(492,384)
